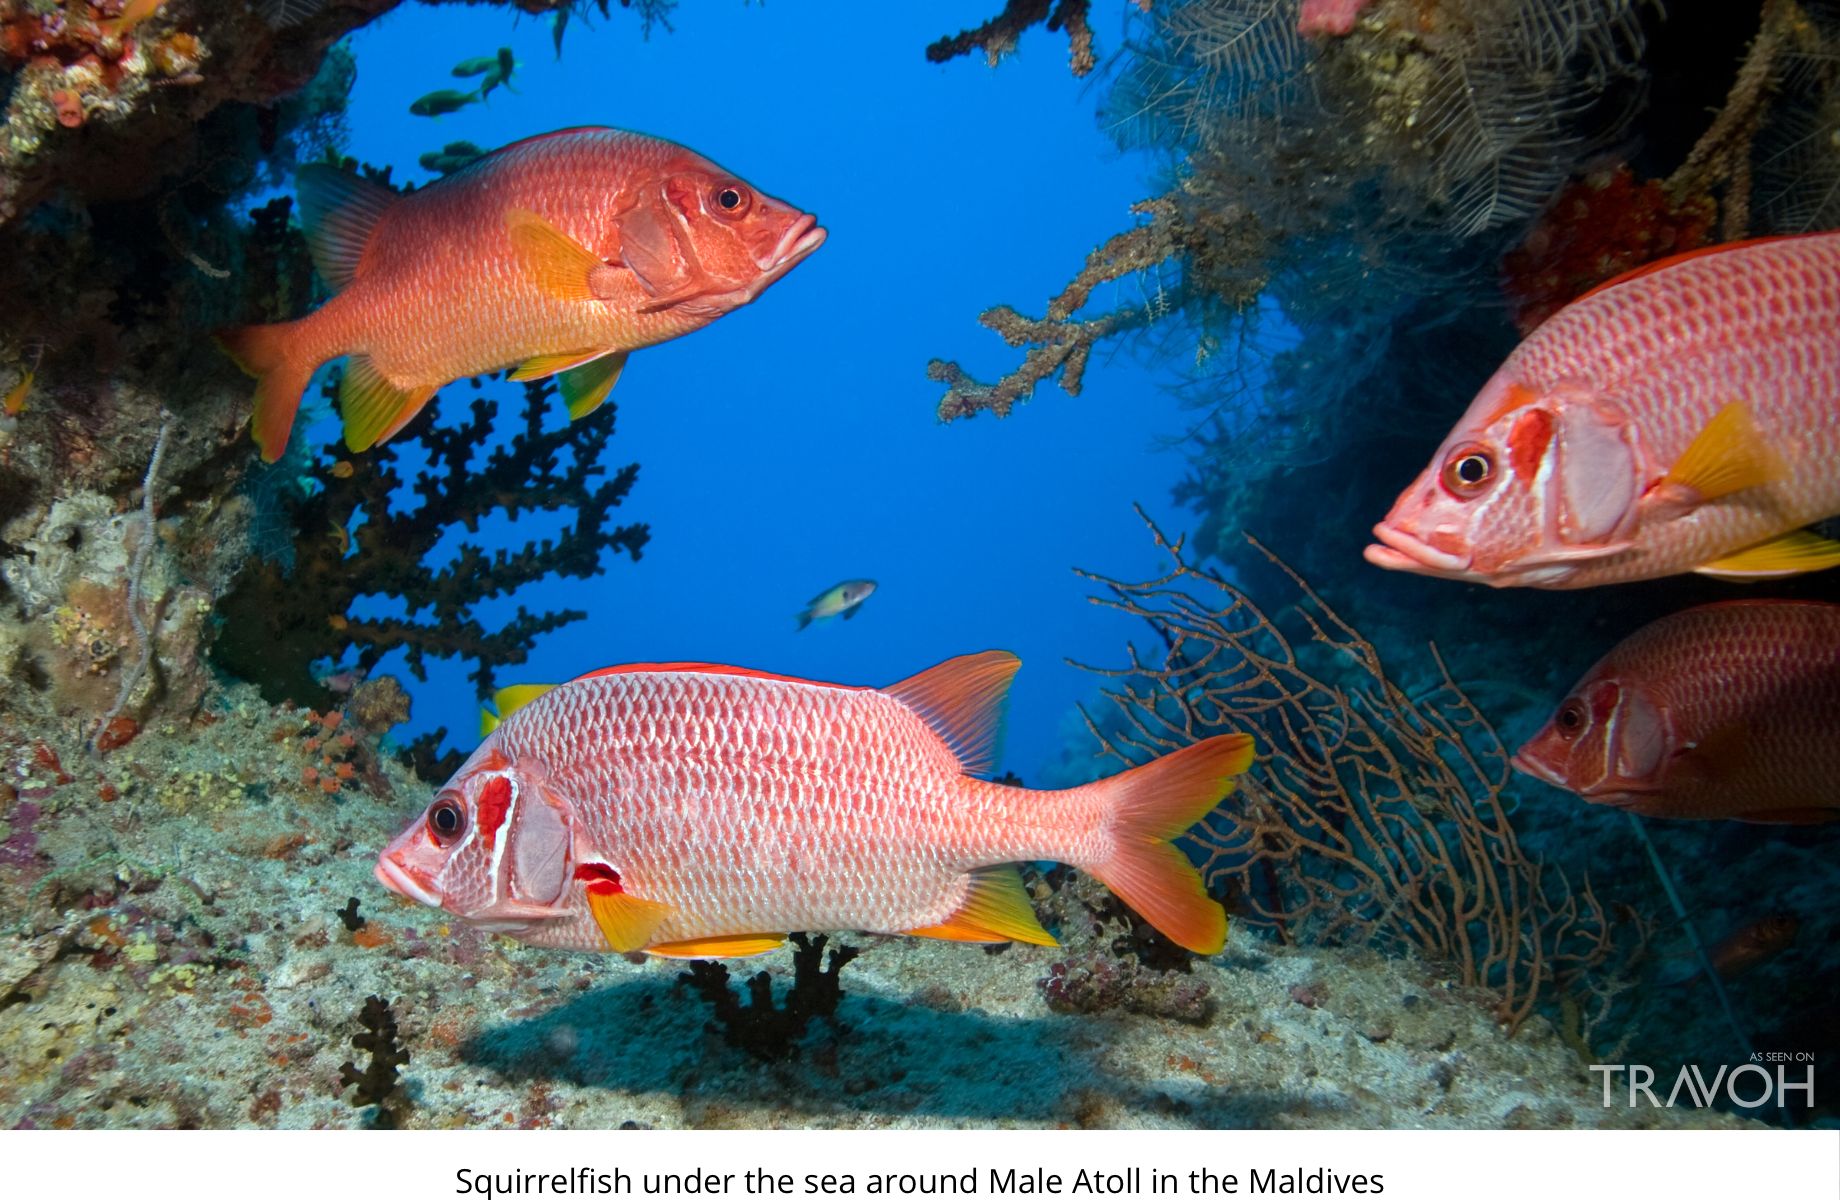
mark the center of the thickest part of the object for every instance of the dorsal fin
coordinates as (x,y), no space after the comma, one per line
(962,699)
(508,700)
(338,211)
(1674,260)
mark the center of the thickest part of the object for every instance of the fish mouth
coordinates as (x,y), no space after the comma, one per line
(1534,767)
(1400,551)
(800,239)
(397,878)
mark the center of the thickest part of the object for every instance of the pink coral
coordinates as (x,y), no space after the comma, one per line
(1334,18)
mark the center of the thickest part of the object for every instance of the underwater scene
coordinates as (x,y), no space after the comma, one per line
(1156,564)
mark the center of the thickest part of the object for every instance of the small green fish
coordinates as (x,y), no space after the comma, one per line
(436,104)
(499,74)
(840,601)
(451,157)
(469,67)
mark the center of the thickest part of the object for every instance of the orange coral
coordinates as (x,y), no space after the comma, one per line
(1598,228)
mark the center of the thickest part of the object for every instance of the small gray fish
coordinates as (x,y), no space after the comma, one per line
(466,68)
(840,601)
(499,73)
(451,157)
(436,104)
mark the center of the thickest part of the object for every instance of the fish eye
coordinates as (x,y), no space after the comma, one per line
(1570,719)
(1468,470)
(731,199)
(446,819)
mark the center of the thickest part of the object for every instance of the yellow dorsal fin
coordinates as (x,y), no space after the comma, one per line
(996,909)
(1728,456)
(561,267)
(372,407)
(627,922)
(962,699)
(544,365)
(507,700)
(585,387)
(734,945)
(1791,554)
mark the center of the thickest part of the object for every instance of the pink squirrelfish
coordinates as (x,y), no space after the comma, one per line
(1685,417)
(561,253)
(1728,711)
(691,810)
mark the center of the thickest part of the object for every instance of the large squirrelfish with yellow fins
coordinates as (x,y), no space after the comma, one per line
(691,810)
(1685,417)
(558,255)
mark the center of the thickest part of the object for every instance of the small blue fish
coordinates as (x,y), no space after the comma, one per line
(840,601)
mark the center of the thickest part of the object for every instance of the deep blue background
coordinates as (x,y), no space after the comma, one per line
(794,443)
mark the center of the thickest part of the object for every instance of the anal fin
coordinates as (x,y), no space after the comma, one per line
(996,909)
(733,945)
(627,922)
(586,386)
(1793,553)
(373,408)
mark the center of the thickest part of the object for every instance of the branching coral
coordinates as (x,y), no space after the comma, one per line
(1371,816)
(1000,35)
(378,1083)
(766,1030)
(279,622)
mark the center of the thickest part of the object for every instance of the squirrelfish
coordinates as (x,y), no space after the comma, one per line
(1752,946)
(842,600)
(1729,710)
(692,810)
(1685,417)
(561,253)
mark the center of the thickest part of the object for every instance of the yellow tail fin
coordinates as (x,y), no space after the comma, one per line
(1153,804)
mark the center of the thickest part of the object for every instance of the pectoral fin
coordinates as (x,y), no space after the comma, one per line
(586,386)
(1791,554)
(561,267)
(996,909)
(1729,455)
(627,922)
(372,407)
(736,945)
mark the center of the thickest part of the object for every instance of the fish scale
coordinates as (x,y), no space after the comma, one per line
(1748,692)
(1764,329)
(676,805)
(1658,354)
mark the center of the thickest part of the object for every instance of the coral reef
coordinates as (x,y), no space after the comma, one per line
(999,35)
(281,619)
(1372,817)
(766,1030)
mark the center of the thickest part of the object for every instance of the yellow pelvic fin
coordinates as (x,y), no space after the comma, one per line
(373,408)
(962,699)
(1728,456)
(627,922)
(544,365)
(1791,554)
(508,700)
(586,386)
(996,909)
(733,945)
(561,267)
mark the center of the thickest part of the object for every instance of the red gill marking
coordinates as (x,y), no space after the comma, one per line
(494,803)
(1604,701)
(1527,441)
(602,879)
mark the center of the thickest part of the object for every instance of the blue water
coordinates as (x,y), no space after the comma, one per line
(794,444)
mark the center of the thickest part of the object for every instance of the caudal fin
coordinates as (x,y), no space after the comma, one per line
(261,350)
(1153,804)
